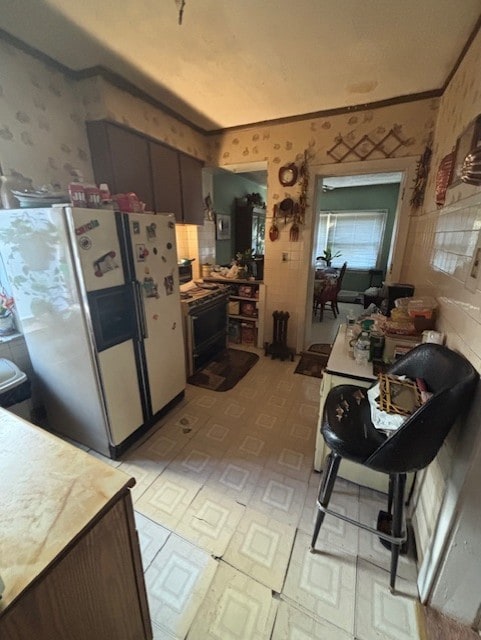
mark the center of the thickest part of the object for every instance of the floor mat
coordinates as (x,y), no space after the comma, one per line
(312,364)
(321,348)
(225,370)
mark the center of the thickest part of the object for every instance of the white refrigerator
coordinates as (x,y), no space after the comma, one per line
(97,295)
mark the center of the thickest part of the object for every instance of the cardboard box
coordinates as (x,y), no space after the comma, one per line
(233,307)
(396,346)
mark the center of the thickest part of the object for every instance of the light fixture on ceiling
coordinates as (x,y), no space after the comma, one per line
(180,6)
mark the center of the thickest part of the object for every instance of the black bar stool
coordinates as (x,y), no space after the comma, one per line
(349,433)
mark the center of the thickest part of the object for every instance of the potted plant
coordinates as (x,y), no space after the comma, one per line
(6,315)
(244,262)
(328,256)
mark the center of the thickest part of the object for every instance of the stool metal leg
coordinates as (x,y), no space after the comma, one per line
(397,522)
(325,491)
(390,493)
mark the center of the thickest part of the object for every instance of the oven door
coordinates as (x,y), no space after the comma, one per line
(207,331)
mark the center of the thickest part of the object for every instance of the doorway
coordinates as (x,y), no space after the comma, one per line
(239,192)
(361,177)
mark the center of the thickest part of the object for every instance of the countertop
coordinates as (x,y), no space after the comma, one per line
(232,280)
(50,491)
(340,362)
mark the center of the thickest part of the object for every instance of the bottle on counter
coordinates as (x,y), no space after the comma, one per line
(352,332)
(362,348)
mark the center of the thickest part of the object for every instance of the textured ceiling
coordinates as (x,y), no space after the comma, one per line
(235,62)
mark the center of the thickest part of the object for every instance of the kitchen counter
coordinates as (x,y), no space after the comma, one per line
(342,369)
(340,362)
(231,280)
(56,503)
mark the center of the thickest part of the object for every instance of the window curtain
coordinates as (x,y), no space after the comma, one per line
(356,235)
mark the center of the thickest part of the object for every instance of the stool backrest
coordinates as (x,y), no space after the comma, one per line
(452,380)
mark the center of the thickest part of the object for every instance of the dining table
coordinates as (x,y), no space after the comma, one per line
(323,278)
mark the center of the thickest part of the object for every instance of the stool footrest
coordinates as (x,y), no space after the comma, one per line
(385,536)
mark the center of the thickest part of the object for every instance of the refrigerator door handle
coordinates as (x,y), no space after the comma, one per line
(140,308)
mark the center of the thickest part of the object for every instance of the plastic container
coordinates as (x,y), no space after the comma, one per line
(350,318)
(421,307)
(420,311)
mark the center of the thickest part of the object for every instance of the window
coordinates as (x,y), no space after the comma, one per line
(356,235)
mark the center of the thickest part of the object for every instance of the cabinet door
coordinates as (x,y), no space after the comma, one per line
(121,158)
(191,182)
(243,226)
(166,180)
(95,590)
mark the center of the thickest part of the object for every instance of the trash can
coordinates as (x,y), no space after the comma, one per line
(15,388)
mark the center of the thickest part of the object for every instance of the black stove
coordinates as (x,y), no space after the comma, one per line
(202,293)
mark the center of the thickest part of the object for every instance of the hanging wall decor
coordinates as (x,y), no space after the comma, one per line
(443,178)
(471,169)
(367,145)
(288,175)
(422,170)
(468,141)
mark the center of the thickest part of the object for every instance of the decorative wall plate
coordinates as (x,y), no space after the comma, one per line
(443,177)
(288,175)
(471,169)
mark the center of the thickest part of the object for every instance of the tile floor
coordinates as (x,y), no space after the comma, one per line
(325,331)
(225,504)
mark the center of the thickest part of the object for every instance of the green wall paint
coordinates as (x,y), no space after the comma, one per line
(378,196)
(226,187)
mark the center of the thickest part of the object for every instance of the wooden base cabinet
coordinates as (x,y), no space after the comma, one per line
(69,550)
(94,590)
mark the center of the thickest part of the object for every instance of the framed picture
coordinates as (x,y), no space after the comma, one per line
(222,227)
(469,140)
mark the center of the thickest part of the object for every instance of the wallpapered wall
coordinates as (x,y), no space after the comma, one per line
(438,261)
(43,114)
(42,121)
(439,257)
(287,282)
(42,136)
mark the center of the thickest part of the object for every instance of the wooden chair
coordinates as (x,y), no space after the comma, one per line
(339,283)
(328,294)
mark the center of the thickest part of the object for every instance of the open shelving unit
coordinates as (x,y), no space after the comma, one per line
(245,311)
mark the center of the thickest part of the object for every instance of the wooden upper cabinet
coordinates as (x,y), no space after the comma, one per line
(191,183)
(121,159)
(166,180)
